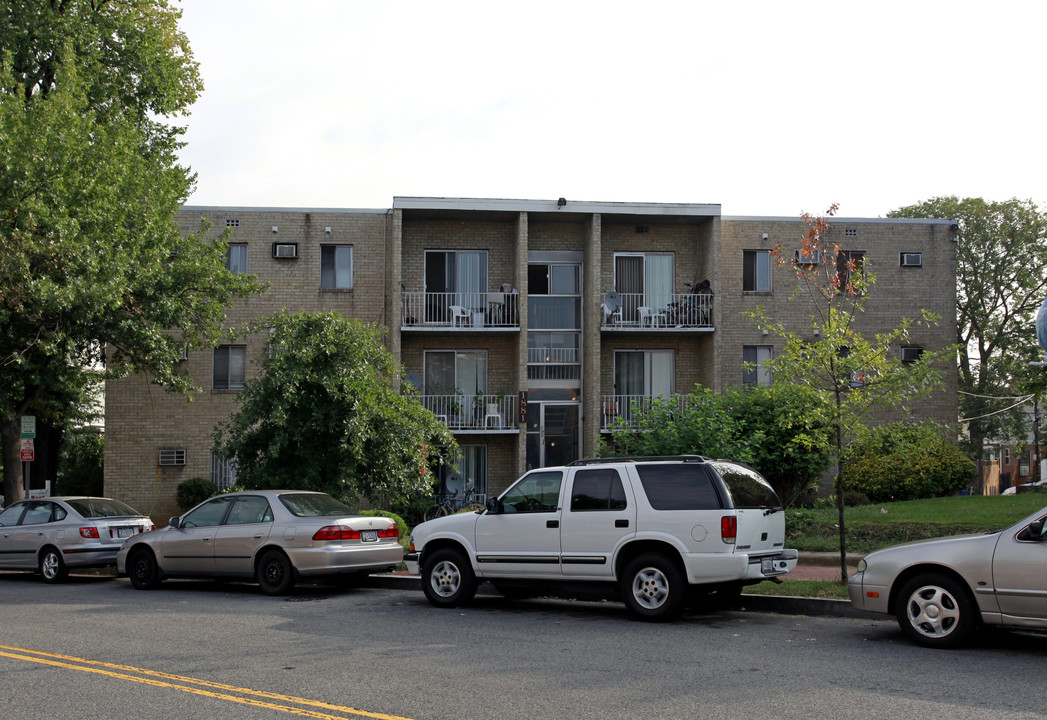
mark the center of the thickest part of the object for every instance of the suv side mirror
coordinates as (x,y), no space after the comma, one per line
(175,522)
(494,506)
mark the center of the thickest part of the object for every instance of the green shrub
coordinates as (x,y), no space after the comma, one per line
(400,524)
(853,498)
(194,491)
(902,461)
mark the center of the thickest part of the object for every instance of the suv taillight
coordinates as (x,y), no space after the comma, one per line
(729,528)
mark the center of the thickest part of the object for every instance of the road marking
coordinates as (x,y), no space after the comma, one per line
(96,667)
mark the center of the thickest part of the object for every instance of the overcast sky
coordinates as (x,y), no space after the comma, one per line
(767,108)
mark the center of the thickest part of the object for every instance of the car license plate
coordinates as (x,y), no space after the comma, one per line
(369,536)
(125,532)
(766,565)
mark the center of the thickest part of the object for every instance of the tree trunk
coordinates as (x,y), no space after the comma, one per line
(10,434)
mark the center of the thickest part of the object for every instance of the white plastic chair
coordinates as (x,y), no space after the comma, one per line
(650,318)
(459,313)
(611,317)
(493,413)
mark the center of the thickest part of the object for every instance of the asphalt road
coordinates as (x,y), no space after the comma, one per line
(97,648)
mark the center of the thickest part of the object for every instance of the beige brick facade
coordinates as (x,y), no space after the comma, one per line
(389,274)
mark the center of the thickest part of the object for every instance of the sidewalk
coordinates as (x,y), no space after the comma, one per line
(811,566)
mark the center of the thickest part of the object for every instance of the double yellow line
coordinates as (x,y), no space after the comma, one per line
(246,696)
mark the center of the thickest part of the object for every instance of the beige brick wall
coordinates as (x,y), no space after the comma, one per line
(389,249)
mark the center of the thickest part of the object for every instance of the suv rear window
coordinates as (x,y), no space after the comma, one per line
(678,487)
(747,487)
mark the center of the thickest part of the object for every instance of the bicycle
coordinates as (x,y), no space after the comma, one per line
(452,505)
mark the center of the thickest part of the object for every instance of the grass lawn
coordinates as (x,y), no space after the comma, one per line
(828,589)
(871,527)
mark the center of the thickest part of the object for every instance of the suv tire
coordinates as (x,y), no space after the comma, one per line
(653,587)
(448,579)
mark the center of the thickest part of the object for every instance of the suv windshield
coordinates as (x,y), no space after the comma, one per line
(102,508)
(747,487)
(314,505)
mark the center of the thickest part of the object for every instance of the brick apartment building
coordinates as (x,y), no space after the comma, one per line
(526,325)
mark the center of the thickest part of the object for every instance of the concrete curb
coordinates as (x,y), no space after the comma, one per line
(781,604)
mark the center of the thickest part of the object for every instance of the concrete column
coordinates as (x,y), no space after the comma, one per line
(592,295)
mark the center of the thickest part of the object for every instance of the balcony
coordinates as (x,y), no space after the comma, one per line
(676,312)
(626,408)
(460,311)
(475,414)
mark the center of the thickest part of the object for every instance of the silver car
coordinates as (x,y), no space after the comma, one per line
(271,536)
(51,535)
(940,590)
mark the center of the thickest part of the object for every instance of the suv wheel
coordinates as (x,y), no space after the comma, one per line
(448,579)
(653,587)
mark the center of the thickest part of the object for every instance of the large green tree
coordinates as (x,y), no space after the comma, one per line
(1001,282)
(324,415)
(95,275)
(852,375)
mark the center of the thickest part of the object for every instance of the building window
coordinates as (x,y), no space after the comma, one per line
(470,480)
(228,367)
(643,280)
(756,371)
(756,271)
(223,471)
(236,258)
(336,267)
(455,384)
(1025,463)
(849,263)
(454,277)
(639,377)
(910,353)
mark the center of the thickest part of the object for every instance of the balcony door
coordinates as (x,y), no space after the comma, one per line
(454,277)
(639,376)
(643,279)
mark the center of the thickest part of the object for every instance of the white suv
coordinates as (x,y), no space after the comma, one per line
(658,529)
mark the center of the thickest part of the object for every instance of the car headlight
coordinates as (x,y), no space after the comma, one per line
(862,565)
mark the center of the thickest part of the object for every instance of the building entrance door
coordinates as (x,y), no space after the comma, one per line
(552,433)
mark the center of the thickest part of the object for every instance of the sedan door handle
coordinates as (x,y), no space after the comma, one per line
(552,523)
(621,523)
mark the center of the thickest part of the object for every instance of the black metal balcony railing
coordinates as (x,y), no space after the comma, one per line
(660,311)
(460,310)
(478,412)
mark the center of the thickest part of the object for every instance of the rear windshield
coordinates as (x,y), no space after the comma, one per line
(102,508)
(747,487)
(314,505)
(678,486)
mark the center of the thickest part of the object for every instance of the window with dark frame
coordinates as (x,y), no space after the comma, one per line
(756,271)
(236,258)
(228,368)
(336,267)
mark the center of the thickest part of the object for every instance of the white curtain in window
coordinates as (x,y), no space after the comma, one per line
(658,281)
(471,279)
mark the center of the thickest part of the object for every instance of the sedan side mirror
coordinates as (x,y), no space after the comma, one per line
(1036,530)
(175,522)
(494,506)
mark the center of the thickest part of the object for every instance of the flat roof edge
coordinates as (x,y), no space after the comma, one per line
(322,211)
(837,220)
(553,206)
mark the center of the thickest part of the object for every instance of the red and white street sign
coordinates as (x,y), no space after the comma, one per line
(26,451)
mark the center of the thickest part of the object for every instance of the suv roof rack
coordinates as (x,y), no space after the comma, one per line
(639,458)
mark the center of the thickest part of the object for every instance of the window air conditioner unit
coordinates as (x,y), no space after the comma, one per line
(285,250)
(811,257)
(913,259)
(911,354)
(172,456)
